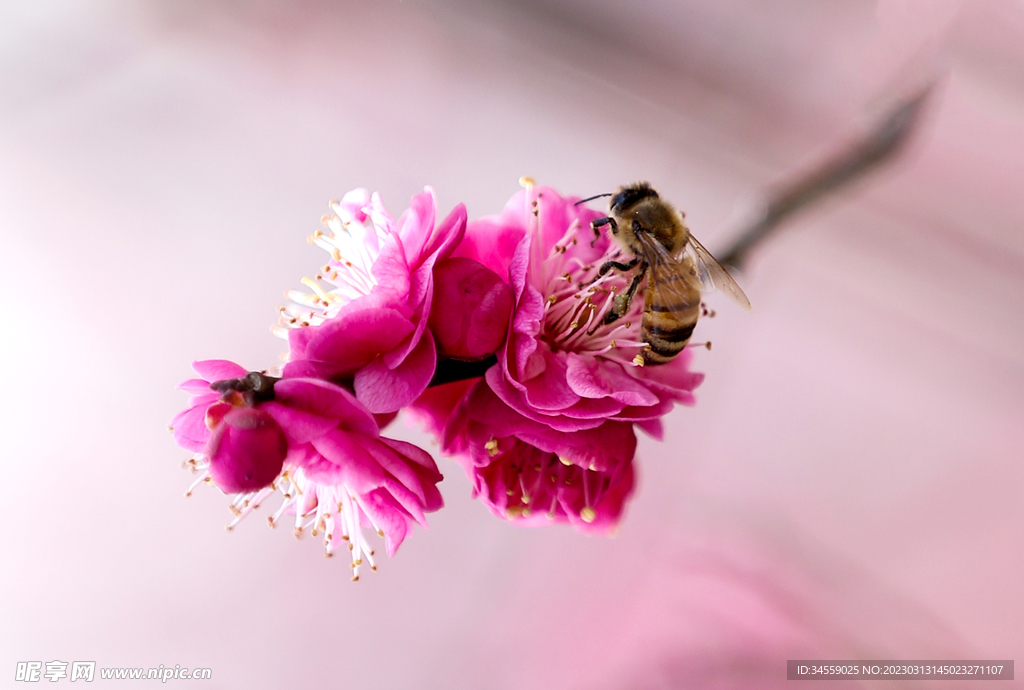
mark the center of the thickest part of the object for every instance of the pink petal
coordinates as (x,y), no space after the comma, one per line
(592,378)
(324,399)
(636,414)
(417,458)
(425,469)
(491,242)
(190,431)
(352,205)
(591,408)
(449,234)
(653,428)
(391,269)
(602,449)
(298,339)
(512,397)
(346,343)
(194,386)
(347,462)
(394,464)
(416,225)
(218,369)
(411,504)
(550,390)
(379,215)
(388,516)
(422,283)
(384,419)
(385,390)
(299,427)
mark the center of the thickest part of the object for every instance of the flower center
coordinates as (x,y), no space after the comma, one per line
(578,297)
(536,480)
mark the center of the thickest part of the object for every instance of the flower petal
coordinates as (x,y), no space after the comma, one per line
(385,390)
(387,514)
(591,378)
(346,462)
(324,399)
(190,431)
(425,469)
(218,369)
(352,340)
(416,225)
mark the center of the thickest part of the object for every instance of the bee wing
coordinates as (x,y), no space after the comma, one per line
(713,275)
(671,294)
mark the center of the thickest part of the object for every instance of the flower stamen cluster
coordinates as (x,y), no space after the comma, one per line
(354,242)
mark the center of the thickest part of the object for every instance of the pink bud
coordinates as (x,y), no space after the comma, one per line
(246,450)
(470,310)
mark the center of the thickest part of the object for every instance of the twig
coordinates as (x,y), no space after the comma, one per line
(881,144)
(449,370)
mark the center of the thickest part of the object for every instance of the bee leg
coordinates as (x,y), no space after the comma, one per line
(621,303)
(609,265)
(600,222)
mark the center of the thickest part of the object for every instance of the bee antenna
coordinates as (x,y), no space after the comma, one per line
(591,198)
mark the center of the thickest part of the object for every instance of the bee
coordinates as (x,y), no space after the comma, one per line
(678,269)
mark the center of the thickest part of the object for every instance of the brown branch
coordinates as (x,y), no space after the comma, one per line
(449,370)
(881,144)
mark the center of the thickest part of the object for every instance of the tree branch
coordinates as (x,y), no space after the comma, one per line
(882,143)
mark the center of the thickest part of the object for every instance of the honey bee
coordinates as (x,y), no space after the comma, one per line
(678,269)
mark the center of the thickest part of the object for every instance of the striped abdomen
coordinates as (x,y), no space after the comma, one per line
(671,308)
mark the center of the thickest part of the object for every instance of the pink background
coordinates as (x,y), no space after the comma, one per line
(849,485)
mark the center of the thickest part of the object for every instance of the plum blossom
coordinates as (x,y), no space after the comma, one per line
(561,365)
(317,445)
(527,472)
(366,314)
(549,433)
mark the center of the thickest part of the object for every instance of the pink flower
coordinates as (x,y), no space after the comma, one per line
(337,473)
(366,316)
(526,471)
(561,365)
(550,430)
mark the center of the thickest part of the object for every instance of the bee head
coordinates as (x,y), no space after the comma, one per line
(628,196)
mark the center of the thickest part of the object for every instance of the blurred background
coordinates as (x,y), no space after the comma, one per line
(849,485)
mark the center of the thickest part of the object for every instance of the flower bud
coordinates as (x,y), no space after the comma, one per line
(246,450)
(470,311)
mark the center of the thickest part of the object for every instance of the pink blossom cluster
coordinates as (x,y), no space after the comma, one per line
(490,333)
